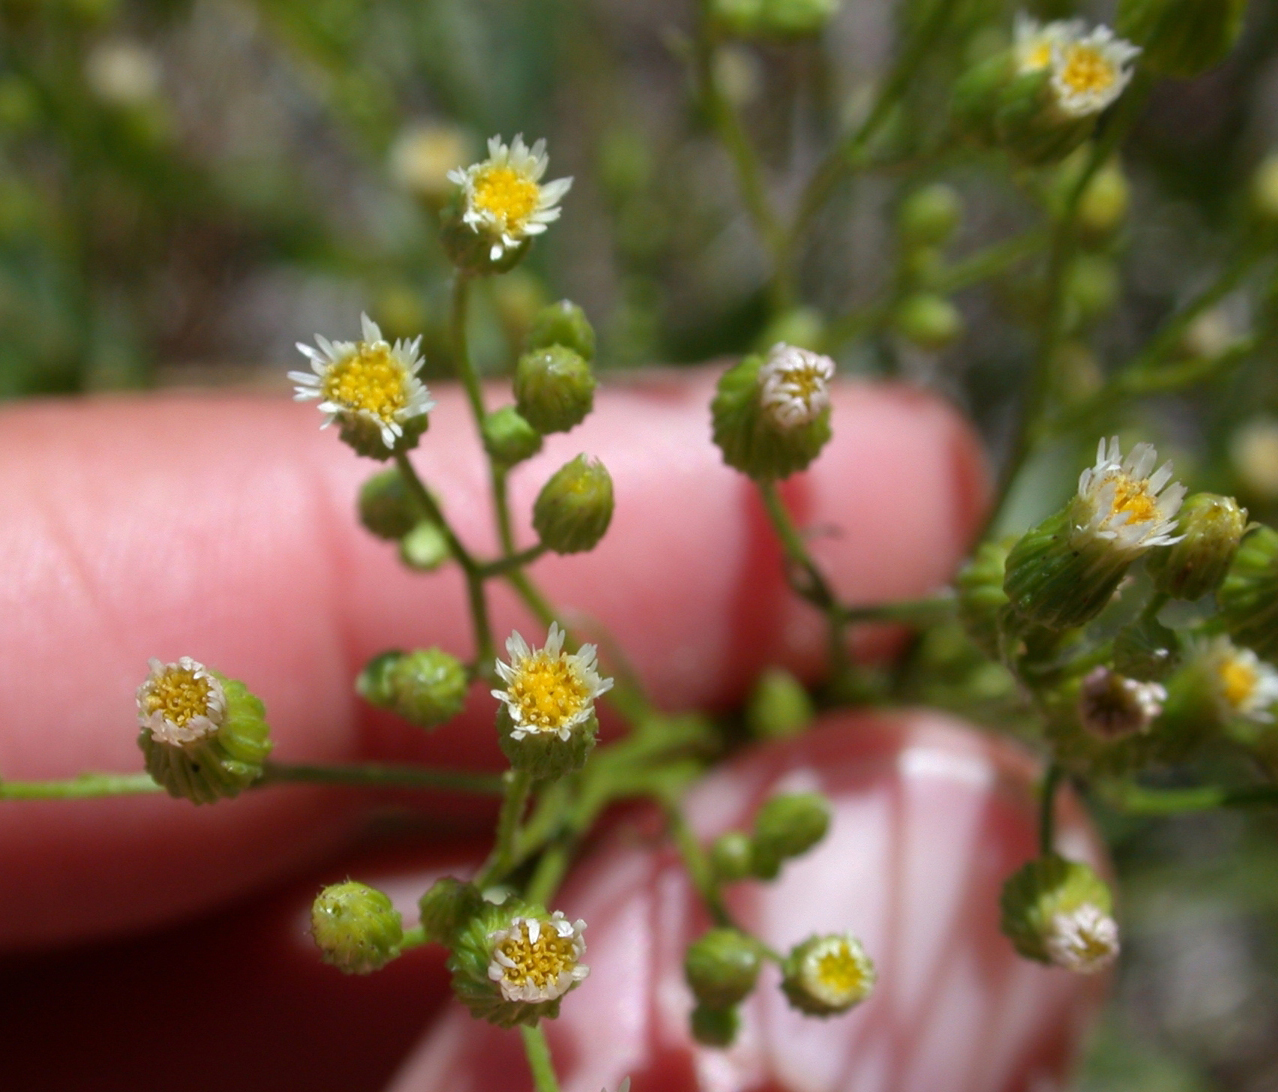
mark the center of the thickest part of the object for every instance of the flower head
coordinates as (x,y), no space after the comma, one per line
(368,384)
(1126,505)
(536,959)
(549,691)
(1084,940)
(504,196)
(181,702)
(794,385)
(1090,71)
(1244,684)
(832,972)
(1034,42)
(1112,706)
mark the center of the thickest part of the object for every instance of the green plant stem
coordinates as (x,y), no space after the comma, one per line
(503,565)
(85,787)
(502,858)
(1134,800)
(413,938)
(1047,809)
(913,612)
(539,1060)
(990,262)
(698,866)
(376,775)
(461,354)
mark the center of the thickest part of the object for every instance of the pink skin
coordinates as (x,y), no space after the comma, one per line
(220,527)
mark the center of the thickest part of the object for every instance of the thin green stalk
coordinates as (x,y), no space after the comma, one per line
(990,262)
(539,1060)
(500,861)
(375,775)
(461,355)
(413,938)
(1047,809)
(85,787)
(503,565)
(1134,800)
(913,612)
(698,866)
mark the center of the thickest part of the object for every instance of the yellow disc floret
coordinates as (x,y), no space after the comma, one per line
(369,379)
(537,959)
(179,694)
(1238,680)
(839,972)
(548,692)
(509,196)
(1134,498)
(180,702)
(1086,70)
(538,962)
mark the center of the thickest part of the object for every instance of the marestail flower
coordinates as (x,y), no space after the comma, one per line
(370,388)
(181,702)
(794,385)
(1090,71)
(1244,685)
(536,960)
(1121,502)
(1034,43)
(1083,940)
(827,975)
(1112,706)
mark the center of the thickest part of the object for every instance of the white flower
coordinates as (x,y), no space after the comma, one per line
(836,971)
(1033,42)
(794,385)
(1124,504)
(549,690)
(1245,685)
(369,380)
(1084,940)
(423,156)
(536,960)
(180,702)
(505,198)
(1111,705)
(1089,72)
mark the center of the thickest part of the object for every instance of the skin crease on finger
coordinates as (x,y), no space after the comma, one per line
(221,527)
(929,820)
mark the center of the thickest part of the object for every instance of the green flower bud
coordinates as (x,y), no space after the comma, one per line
(574,508)
(975,99)
(204,736)
(772,417)
(544,754)
(1030,124)
(1052,583)
(554,389)
(425,548)
(927,320)
(981,598)
(929,216)
(1103,204)
(1264,192)
(827,975)
(386,507)
(732,857)
(788,826)
(508,438)
(1248,598)
(773,18)
(715,1027)
(803,327)
(1181,37)
(722,966)
(563,323)
(356,928)
(1059,912)
(1091,287)
(1212,527)
(447,908)
(426,687)
(779,706)
(513,963)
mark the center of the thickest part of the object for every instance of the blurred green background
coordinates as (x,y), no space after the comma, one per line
(188,187)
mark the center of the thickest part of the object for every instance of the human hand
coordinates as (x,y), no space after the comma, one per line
(221,527)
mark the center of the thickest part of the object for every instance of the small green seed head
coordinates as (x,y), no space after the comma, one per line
(715,1027)
(554,388)
(508,438)
(930,215)
(563,323)
(574,507)
(447,908)
(356,928)
(788,826)
(1212,527)
(386,507)
(721,967)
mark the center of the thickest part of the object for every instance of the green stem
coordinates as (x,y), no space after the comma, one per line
(504,565)
(990,262)
(1134,800)
(500,861)
(1047,809)
(376,775)
(461,355)
(698,866)
(85,787)
(539,1060)
(914,612)
(413,938)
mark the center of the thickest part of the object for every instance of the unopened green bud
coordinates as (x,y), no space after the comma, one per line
(563,323)
(426,687)
(772,416)
(715,1027)
(1248,597)
(204,736)
(447,908)
(779,706)
(386,507)
(508,438)
(512,964)
(802,327)
(929,216)
(722,966)
(981,598)
(827,975)
(927,320)
(787,826)
(554,389)
(425,548)
(1264,192)
(1103,204)
(1091,287)
(1212,527)
(1181,37)
(1059,912)
(975,98)
(732,857)
(773,18)
(356,928)
(574,508)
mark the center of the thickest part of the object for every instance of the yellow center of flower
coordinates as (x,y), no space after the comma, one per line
(1038,57)
(369,379)
(803,383)
(1086,70)
(547,691)
(839,972)
(179,695)
(1134,498)
(1238,682)
(1091,947)
(509,196)
(540,962)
